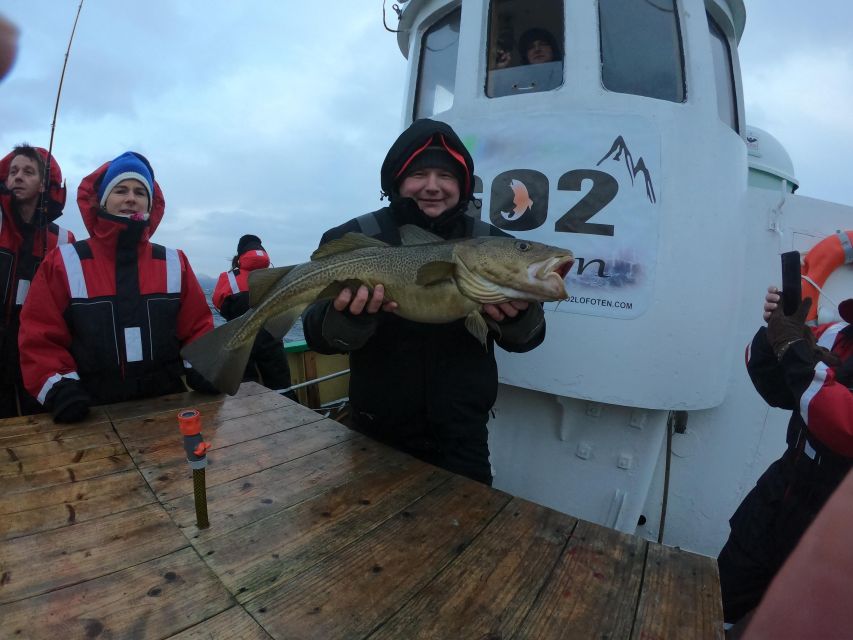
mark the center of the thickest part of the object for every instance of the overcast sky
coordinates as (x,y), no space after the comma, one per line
(273,117)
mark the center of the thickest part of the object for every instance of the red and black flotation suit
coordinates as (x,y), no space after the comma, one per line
(22,248)
(268,362)
(112,311)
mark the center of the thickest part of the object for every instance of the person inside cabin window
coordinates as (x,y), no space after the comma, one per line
(106,317)
(268,362)
(425,389)
(809,371)
(502,57)
(537,46)
(27,232)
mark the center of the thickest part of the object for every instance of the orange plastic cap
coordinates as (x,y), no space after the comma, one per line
(189,422)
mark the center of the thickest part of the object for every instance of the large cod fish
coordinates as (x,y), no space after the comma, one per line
(430,279)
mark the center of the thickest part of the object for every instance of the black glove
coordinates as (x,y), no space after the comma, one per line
(197,382)
(783,331)
(68,401)
(347,332)
(524,327)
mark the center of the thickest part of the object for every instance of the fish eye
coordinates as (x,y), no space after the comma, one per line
(521,245)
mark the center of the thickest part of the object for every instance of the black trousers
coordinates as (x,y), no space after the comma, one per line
(461,450)
(767,526)
(15,401)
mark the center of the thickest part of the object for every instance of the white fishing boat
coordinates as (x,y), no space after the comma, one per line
(634,151)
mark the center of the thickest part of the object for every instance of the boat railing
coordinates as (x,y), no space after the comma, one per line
(308,383)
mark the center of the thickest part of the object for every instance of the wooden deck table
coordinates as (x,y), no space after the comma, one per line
(315,532)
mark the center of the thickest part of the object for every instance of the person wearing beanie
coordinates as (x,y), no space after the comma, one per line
(30,201)
(537,46)
(268,361)
(127,175)
(106,317)
(809,371)
(426,389)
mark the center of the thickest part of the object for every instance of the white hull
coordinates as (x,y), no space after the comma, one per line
(536,443)
(688,240)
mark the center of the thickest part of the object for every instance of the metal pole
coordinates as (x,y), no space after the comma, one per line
(337,374)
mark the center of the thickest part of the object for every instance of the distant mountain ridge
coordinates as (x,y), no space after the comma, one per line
(208,283)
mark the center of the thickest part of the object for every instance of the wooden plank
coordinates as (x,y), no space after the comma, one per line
(252,497)
(488,590)
(680,597)
(273,550)
(62,474)
(162,439)
(104,435)
(60,459)
(234,624)
(174,402)
(593,590)
(140,430)
(312,393)
(43,423)
(171,403)
(350,593)
(147,601)
(59,432)
(252,389)
(57,506)
(174,478)
(54,559)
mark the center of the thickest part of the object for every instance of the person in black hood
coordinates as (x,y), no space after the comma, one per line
(426,389)
(537,46)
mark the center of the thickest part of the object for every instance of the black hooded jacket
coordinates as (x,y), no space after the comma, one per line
(412,380)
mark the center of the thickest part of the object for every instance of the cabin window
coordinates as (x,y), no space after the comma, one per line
(525,47)
(641,50)
(724,77)
(437,69)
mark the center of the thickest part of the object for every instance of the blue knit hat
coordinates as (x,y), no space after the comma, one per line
(128,166)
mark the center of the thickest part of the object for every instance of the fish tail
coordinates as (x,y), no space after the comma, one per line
(210,356)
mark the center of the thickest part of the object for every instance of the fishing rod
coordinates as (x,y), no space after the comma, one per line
(46,187)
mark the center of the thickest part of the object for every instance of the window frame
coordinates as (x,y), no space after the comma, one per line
(682,60)
(423,29)
(491,32)
(726,38)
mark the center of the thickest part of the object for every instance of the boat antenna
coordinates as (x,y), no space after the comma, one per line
(46,190)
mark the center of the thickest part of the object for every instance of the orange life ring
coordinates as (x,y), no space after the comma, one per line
(824,258)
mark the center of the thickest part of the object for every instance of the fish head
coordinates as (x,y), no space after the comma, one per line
(494,270)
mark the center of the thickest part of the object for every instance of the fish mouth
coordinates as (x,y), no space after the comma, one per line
(559,266)
(553,271)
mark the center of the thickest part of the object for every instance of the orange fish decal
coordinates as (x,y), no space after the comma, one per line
(521,200)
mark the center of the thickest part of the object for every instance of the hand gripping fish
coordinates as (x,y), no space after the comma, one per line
(431,280)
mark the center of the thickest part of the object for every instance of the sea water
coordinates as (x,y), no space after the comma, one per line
(294,335)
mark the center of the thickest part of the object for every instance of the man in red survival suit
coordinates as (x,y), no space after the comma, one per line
(810,372)
(27,231)
(268,362)
(106,317)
